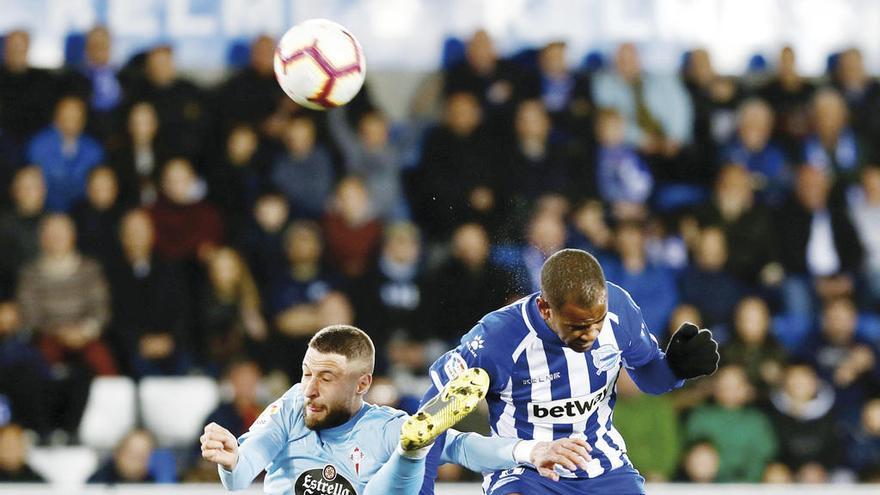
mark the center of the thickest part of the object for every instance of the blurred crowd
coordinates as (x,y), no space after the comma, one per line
(157,227)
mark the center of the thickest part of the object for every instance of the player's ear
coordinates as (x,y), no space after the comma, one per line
(364,383)
(543,307)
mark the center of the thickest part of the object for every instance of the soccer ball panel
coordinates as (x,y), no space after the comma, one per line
(319,64)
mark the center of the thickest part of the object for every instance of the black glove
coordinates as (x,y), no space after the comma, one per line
(692,352)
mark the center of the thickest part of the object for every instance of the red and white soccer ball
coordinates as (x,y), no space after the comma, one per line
(319,64)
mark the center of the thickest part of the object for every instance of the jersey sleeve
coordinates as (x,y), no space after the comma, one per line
(260,445)
(640,346)
(472,352)
(642,355)
(477,452)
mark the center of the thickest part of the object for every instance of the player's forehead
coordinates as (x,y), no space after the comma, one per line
(573,313)
(317,361)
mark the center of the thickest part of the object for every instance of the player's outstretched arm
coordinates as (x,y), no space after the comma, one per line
(479,453)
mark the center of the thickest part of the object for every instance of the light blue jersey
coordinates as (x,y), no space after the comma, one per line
(358,457)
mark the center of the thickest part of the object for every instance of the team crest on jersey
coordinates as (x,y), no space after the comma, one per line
(357,458)
(323,481)
(606,357)
(475,345)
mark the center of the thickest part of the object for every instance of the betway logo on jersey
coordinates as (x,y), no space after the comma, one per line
(567,411)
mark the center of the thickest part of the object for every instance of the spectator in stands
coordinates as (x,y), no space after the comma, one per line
(13,456)
(238,177)
(304,173)
(252,94)
(743,451)
(137,161)
(748,225)
(19,238)
(753,347)
(863,451)
(130,462)
(536,164)
(789,94)
(545,235)
(706,284)
(860,90)
(701,463)
(27,94)
(565,93)
(102,88)
(834,146)
(179,103)
(262,240)
(632,271)
(187,226)
(864,208)
(496,83)
(651,422)
(802,417)
(351,228)
(714,98)
(590,231)
(230,310)
(370,154)
(752,147)
(238,412)
(304,297)
(65,154)
(844,359)
(818,245)
(623,179)
(23,373)
(97,215)
(150,329)
(456,174)
(392,298)
(657,110)
(467,285)
(63,296)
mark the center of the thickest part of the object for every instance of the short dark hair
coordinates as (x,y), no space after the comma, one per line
(345,340)
(572,275)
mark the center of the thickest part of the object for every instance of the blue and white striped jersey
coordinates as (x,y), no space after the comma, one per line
(542,390)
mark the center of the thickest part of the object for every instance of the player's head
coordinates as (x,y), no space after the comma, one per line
(337,372)
(573,298)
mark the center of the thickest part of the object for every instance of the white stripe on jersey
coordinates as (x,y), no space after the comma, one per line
(506,425)
(615,435)
(538,367)
(579,381)
(603,414)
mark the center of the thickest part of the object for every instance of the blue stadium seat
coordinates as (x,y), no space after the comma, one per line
(594,61)
(74,49)
(757,64)
(792,330)
(831,62)
(527,58)
(672,197)
(239,54)
(453,52)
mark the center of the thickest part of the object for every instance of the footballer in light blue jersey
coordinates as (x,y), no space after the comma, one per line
(322,438)
(553,359)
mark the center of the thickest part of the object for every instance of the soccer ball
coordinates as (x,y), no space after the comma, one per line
(319,64)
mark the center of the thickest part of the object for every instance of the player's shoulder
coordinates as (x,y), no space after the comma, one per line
(619,300)
(382,414)
(507,322)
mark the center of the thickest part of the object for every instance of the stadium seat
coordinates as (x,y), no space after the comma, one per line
(74,49)
(594,61)
(64,466)
(174,409)
(453,52)
(239,54)
(110,412)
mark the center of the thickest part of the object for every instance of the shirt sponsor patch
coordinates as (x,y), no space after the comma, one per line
(567,411)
